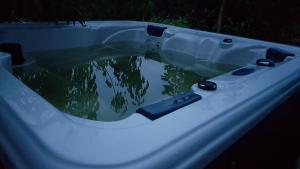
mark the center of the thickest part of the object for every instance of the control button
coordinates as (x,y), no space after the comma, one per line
(265,62)
(162,108)
(207,85)
(227,40)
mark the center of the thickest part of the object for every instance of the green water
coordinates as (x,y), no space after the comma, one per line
(108,83)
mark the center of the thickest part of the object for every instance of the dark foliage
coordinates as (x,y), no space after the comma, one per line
(274,20)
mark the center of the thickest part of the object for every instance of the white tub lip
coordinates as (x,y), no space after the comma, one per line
(195,126)
(138,24)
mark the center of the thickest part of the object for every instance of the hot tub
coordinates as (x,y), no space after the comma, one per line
(41,130)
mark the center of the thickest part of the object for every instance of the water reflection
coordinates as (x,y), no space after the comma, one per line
(72,91)
(178,80)
(81,97)
(124,77)
(108,87)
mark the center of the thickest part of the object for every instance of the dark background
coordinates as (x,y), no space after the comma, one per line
(272,20)
(272,144)
(266,146)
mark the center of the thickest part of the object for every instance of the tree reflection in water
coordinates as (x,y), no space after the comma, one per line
(178,80)
(72,90)
(81,95)
(120,84)
(126,74)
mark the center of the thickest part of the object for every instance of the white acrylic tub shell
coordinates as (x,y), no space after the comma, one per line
(34,134)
